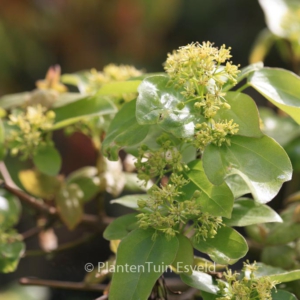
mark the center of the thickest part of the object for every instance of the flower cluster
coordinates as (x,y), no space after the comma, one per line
(110,73)
(248,288)
(202,70)
(218,133)
(166,210)
(29,130)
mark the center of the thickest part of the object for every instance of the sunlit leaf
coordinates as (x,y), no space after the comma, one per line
(201,281)
(281,87)
(246,212)
(261,162)
(38,184)
(226,247)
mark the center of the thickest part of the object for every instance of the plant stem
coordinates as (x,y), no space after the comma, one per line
(62,247)
(78,286)
(243,87)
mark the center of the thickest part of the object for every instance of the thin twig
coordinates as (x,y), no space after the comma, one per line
(31,201)
(62,247)
(78,286)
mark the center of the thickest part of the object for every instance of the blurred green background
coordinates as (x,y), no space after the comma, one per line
(76,34)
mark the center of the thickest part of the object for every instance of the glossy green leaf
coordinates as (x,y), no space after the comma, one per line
(184,260)
(286,276)
(123,131)
(119,87)
(134,184)
(245,72)
(69,205)
(283,129)
(261,162)
(244,112)
(237,185)
(88,181)
(201,281)
(39,184)
(205,265)
(10,254)
(47,160)
(130,201)
(10,210)
(146,258)
(216,200)
(86,107)
(120,227)
(246,212)
(282,295)
(157,104)
(227,247)
(263,270)
(281,87)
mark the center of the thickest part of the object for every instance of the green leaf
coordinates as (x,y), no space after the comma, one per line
(227,246)
(67,98)
(246,212)
(280,87)
(283,129)
(244,112)
(261,162)
(286,276)
(201,281)
(157,104)
(282,295)
(147,259)
(10,210)
(208,296)
(39,184)
(281,256)
(47,160)
(88,181)
(245,72)
(283,233)
(237,185)
(130,201)
(119,87)
(123,131)
(216,200)
(69,205)
(120,227)
(10,254)
(86,107)
(184,260)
